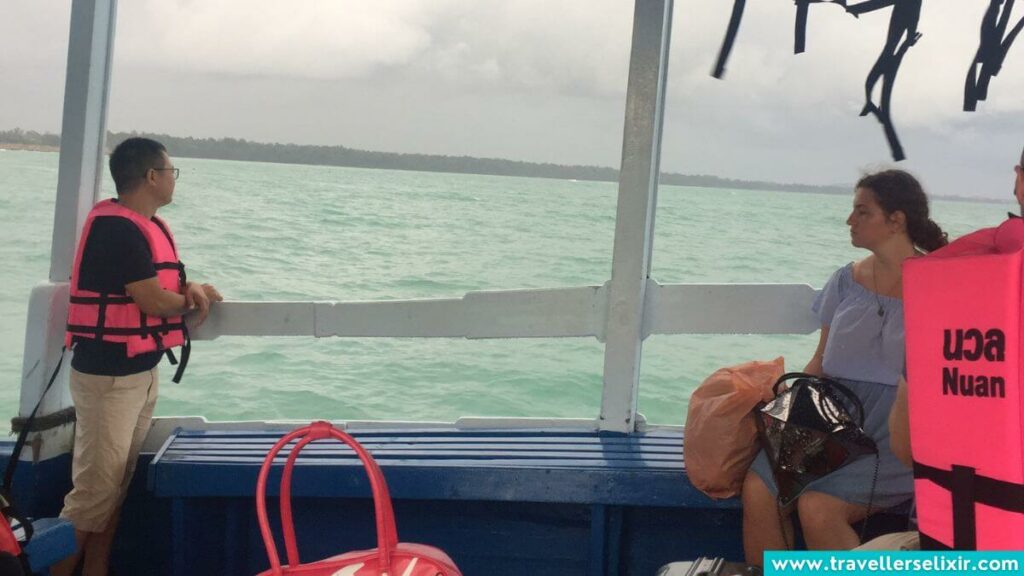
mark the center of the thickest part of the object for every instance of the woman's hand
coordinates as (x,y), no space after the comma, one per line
(814,366)
(899,426)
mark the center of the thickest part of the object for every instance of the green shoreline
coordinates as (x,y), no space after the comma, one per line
(244,150)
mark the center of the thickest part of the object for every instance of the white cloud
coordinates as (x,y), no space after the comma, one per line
(574,45)
(320,39)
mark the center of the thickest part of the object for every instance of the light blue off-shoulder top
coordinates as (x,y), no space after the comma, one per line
(861,344)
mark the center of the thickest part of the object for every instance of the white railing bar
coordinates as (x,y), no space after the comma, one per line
(555,313)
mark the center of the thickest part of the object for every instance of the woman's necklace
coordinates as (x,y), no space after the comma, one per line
(874,284)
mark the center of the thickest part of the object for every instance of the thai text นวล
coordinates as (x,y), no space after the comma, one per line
(973,345)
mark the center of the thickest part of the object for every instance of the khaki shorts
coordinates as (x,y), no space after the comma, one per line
(894,541)
(113,416)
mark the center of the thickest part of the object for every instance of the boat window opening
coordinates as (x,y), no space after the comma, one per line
(422,379)
(342,220)
(269,232)
(720,235)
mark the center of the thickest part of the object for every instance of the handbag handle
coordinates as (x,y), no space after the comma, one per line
(387,534)
(385,527)
(832,383)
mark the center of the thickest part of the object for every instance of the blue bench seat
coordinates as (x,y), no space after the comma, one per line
(53,540)
(583,497)
(498,465)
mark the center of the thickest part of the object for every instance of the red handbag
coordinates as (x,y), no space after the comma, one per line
(12,556)
(389,558)
(8,541)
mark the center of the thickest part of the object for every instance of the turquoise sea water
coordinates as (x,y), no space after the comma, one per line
(286,232)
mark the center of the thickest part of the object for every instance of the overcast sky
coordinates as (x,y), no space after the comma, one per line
(536,80)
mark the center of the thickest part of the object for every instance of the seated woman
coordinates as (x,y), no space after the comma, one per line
(861,345)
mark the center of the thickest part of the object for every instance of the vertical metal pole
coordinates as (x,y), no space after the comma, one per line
(83,131)
(84,127)
(634,220)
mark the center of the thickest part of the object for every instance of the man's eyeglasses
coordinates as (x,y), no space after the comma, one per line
(174,170)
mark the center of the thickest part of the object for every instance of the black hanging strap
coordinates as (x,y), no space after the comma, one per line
(803,7)
(19,445)
(902,35)
(868,6)
(800,30)
(992,49)
(730,38)
(186,351)
(7,507)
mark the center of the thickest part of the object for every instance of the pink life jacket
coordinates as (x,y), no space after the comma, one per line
(116,317)
(1006,238)
(964,322)
(1009,236)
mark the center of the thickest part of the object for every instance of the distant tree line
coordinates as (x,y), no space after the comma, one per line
(29,138)
(241,149)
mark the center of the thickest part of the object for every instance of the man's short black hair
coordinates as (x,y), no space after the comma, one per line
(132,159)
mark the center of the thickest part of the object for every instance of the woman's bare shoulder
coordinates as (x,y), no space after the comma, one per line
(862,269)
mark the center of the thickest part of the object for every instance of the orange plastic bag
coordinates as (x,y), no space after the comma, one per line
(721,433)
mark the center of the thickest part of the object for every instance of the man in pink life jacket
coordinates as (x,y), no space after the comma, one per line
(1003,239)
(129,295)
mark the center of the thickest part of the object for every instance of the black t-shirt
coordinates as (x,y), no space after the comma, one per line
(116,253)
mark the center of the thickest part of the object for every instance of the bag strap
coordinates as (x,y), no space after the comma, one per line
(826,386)
(387,534)
(834,385)
(7,507)
(790,376)
(19,445)
(285,502)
